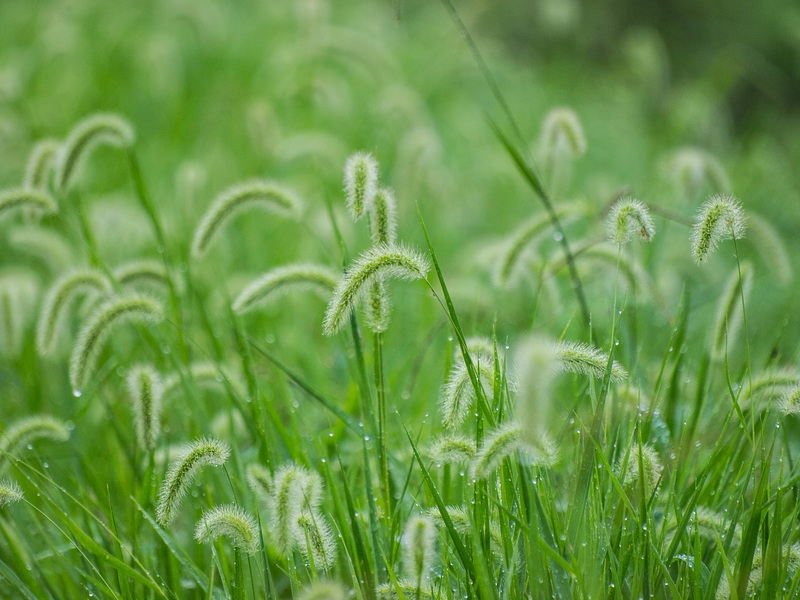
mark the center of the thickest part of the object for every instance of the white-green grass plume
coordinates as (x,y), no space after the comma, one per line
(294,489)
(93,335)
(58,300)
(627,219)
(93,131)
(377,263)
(27,430)
(231,522)
(316,540)
(577,357)
(10,492)
(39,167)
(256,193)
(418,546)
(33,202)
(282,280)
(182,470)
(720,218)
(360,183)
(145,389)
(452,448)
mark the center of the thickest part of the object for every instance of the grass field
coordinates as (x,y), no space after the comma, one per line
(370,300)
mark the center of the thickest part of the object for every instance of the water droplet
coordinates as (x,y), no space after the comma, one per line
(558,236)
(77,393)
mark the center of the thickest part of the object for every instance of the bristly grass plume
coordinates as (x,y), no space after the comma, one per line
(360,183)
(191,459)
(629,217)
(379,262)
(231,522)
(24,431)
(720,218)
(144,386)
(282,280)
(10,492)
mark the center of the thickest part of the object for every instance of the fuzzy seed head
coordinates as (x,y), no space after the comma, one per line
(100,325)
(651,463)
(145,389)
(379,263)
(10,492)
(142,274)
(419,538)
(96,130)
(34,202)
(453,448)
(46,246)
(316,541)
(260,481)
(282,280)
(39,168)
(562,133)
(324,590)
(577,357)
(497,446)
(29,429)
(360,183)
(378,307)
(256,193)
(294,489)
(190,459)
(458,392)
(789,404)
(58,300)
(691,169)
(383,217)
(629,217)
(720,218)
(231,522)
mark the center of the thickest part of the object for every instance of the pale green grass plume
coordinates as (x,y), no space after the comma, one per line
(142,273)
(789,403)
(720,218)
(383,217)
(360,183)
(536,366)
(294,489)
(96,130)
(324,590)
(691,169)
(377,263)
(114,312)
(39,167)
(458,393)
(144,386)
(58,300)
(260,481)
(377,307)
(12,322)
(10,492)
(37,203)
(562,133)
(651,463)
(453,448)
(190,459)
(23,432)
(231,522)
(46,246)
(408,589)
(316,540)
(256,193)
(418,548)
(497,446)
(707,523)
(770,246)
(282,280)
(791,563)
(577,357)
(627,219)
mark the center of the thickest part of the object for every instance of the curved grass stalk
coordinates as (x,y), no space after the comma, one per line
(231,522)
(380,262)
(95,130)
(101,323)
(58,300)
(256,193)
(190,459)
(729,311)
(280,281)
(29,429)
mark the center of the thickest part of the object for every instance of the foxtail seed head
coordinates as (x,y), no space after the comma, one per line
(190,459)
(419,537)
(142,273)
(101,323)
(378,307)
(10,492)
(93,131)
(279,281)
(383,217)
(39,168)
(28,429)
(692,169)
(458,392)
(45,245)
(294,489)
(629,217)
(562,132)
(577,357)
(256,193)
(57,302)
(720,218)
(232,522)
(378,263)
(497,445)
(454,448)
(260,481)
(789,404)
(34,202)
(316,540)
(324,590)
(360,183)
(144,386)
(651,464)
